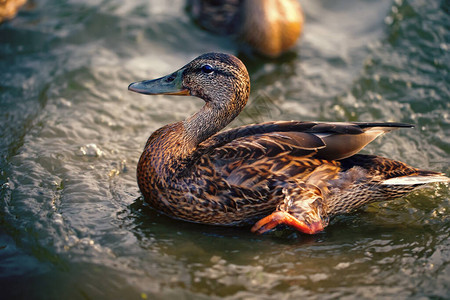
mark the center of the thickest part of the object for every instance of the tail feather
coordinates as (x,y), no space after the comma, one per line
(416,180)
(366,179)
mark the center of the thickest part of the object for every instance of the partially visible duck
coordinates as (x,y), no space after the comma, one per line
(289,172)
(9,8)
(268,26)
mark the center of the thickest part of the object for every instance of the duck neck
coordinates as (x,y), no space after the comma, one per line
(179,141)
(213,117)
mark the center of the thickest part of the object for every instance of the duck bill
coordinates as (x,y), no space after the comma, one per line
(168,85)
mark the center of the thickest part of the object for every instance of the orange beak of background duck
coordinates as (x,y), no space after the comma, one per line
(168,85)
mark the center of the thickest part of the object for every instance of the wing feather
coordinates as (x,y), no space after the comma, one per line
(330,141)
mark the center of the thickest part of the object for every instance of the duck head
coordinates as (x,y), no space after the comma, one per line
(219,79)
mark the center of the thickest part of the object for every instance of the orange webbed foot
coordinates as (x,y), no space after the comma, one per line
(282,217)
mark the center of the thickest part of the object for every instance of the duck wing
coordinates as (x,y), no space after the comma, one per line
(329,141)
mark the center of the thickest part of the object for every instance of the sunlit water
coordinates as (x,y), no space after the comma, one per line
(72,222)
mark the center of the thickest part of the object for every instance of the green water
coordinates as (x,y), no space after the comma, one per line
(72,223)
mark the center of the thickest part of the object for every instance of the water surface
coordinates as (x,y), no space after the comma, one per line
(72,222)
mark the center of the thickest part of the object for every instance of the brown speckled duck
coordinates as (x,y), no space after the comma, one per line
(270,27)
(289,172)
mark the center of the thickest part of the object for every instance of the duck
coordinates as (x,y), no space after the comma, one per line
(297,174)
(269,27)
(9,9)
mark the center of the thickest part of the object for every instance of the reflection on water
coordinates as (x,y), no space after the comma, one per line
(72,223)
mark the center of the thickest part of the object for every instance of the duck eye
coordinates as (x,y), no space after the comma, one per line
(207,69)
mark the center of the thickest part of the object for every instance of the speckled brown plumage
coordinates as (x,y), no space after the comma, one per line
(297,173)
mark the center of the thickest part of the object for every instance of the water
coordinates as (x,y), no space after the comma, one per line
(72,223)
